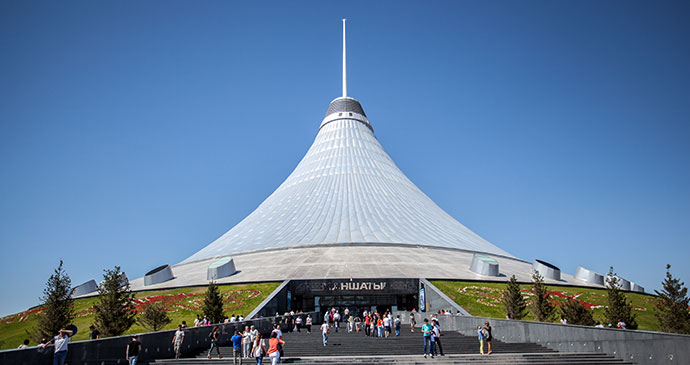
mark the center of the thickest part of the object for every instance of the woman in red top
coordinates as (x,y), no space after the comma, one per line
(274,346)
(367,322)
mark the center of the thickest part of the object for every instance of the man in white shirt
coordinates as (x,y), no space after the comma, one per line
(279,333)
(60,341)
(387,325)
(324,331)
(197,321)
(177,340)
(336,320)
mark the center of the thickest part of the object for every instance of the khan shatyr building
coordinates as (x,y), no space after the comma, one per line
(348,228)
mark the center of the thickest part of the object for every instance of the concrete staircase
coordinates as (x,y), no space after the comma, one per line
(345,348)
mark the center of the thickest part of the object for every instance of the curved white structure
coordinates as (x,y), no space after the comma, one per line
(158,275)
(346,190)
(484,265)
(546,270)
(221,268)
(589,276)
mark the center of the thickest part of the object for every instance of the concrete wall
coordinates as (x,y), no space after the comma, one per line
(276,302)
(642,347)
(436,300)
(154,345)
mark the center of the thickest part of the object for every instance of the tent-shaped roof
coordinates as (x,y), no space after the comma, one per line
(346,190)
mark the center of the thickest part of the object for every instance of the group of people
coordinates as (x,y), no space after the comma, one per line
(485,337)
(372,323)
(294,321)
(61,341)
(204,321)
(431,333)
(246,344)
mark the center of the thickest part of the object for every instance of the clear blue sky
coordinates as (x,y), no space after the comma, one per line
(135,133)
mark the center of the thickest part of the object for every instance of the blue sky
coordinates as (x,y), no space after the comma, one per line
(135,133)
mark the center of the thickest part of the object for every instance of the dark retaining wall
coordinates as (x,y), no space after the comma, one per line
(154,345)
(641,347)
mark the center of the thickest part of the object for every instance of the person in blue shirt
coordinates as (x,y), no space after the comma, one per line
(480,335)
(236,347)
(427,329)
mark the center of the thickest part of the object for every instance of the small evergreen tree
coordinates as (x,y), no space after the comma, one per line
(513,300)
(576,313)
(619,307)
(541,304)
(115,307)
(672,305)
(153,316)
(213,304)
(58,306)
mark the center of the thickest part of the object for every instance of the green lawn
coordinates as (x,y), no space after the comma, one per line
(182,304)
(484,299)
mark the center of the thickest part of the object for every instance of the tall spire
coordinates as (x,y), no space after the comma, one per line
(344,64)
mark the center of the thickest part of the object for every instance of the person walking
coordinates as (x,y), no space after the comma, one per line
(60,351)
(426,332)
(324,332)
(480,336)
(396,324)
(214,342)
(413,322)
(253,332)
(132,351)
(387,325)
(298,323)
(336,320)
(258,349)
(489,337)
(236,347)
(177,340)
(246,343)
(308,323)
(373,324)
(277,331)
(367,323)
(379,326)
(437,338)
(275,346)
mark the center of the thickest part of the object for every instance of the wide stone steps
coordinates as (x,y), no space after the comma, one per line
(357,344)
(555,358)
(347,348)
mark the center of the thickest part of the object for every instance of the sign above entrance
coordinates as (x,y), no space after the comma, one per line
(354,286)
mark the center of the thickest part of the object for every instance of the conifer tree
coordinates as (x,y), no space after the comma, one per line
(115,307)
(541,306)
(153,316)
(576,313)
(619,307)
(213,304)
(512,299)
(58,306)
(672,305)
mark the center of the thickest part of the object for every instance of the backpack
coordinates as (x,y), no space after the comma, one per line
(485,333)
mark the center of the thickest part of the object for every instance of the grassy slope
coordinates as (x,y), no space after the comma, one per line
(182,304)
(483,299)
